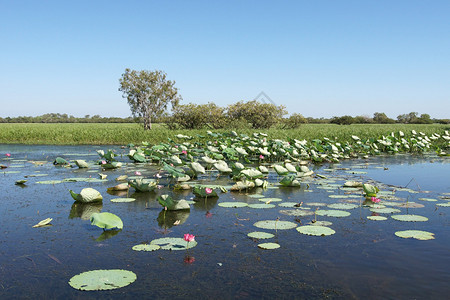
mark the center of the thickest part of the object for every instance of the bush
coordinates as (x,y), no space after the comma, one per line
(344,120)
(197,116)
(259,115)
(294,121)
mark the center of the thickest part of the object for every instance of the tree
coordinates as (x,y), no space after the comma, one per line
(259,115)
(148,93)
(381,118)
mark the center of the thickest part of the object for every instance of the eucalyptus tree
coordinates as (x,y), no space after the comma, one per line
(148,93)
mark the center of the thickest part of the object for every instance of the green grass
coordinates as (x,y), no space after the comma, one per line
(122,134)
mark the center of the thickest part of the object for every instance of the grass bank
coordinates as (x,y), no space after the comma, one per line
(122,134)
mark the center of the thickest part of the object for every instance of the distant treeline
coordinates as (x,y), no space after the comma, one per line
(189,113)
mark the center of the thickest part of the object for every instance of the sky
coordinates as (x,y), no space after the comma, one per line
(317,58)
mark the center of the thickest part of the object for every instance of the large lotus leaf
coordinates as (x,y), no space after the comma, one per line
(315,230)
(112,165)
(281,170)
(290,167)
(269,200)
(333,213)
(243,185)
(377,218)
(353,184)
(233,204)
(43,223)
(290,180)
(198,168)
(342,206)
(222,166)
(143,185)
(370,190)
(269,246)
(175,160)
(260,235)
(175,172)
(263,169)
(296,212)
(208,160)
(81,163)
(445,204)
(409,218)
(146,247)
(122,200)
(138,157)
(60,161)
(173,243)
(261,205)
(275,224)
(241,151)
(106,220)
(97,280)
(385,210)
(200,191)
(119,187)
(87,195)
(415,234)
(251,173)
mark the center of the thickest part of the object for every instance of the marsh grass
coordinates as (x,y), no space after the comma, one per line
(122,134)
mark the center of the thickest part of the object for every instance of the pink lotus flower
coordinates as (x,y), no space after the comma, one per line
(8,154)
(189,237)
(261,156)
(184,152)
(208,191)
(137,173)
(103,162)
(375,200)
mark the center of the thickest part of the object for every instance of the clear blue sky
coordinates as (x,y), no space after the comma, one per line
(318,58)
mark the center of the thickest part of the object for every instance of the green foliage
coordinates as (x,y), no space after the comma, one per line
(381,118)
(259,115)
(197,116)
(148,93)
(294,121)
(344,120)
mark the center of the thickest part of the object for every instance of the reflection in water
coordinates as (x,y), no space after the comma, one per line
(205,204)
(84,210)
(166,219)
(107,234)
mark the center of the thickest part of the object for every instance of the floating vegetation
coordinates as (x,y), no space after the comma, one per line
(170,243)
(233,204)
(261,205)
(260,235)
(119,200)
(275,224)
(296,212)
(377,218)
(415,234)
(269,246)
(333,213)
(409,218)
(146,247)
(106,220)
(443,204)
(98,280)
(428,199)
(385,210)
(315,230)
(343,206)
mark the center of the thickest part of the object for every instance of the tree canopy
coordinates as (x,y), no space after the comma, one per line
(148,93)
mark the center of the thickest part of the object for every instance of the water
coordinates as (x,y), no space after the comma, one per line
(364,259)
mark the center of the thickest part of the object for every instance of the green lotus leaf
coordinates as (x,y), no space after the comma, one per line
(415,234)
(320,223)
(119,187)
(385,210)
(22,181)
(87,195)
(269,246)
(428,199)
(106,220)
(263,169)
(269,200)
(339,196)
(376,218)
(251,174)
(112,165)
(319,204)
(198,168)
(288,204)
(410,218)
(222,167)
(411,205)
(342,206)
(333,213)
(97,280)
(60,161)
(43,223)
(261,205)
(370,190)
(290,167)
(146,247)
(260,235)
(275,224)
(175,172)
(173,243)
(122,178)
(281,170)
(315,230)
(120,200)
(443,204)
(233,204)
(243,185)
(353,184)
(81,163)
(257,196)
(200,191)
(143,185)
(50,181)
(290,180)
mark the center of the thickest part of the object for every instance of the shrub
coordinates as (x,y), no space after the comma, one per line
(294,121)
(197,116)
(259,115)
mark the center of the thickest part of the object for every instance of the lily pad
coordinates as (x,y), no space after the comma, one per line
(269,200)
(233,204)
(260,235)
(97,280)
(342,206)
(410,218)
(443,204)
(315,230)
(385,210)
(275,224)
(87,195)
(415,234)
(320,223)
(146,247)
(123,199)
(269,246)
(296,212)
(106,220)
(377,218)
(428,199)
(261,205)
(411,205)
(173,243)
(333,213)
(43,223)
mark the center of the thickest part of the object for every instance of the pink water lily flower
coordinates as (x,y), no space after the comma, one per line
(137,173)
(184,152)
(261,156)
(208,191)
(375,200)
(189,237)
(8,154)
(103,162)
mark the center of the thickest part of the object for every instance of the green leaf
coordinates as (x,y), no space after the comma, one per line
(97,280)
(410,218)
(415,234)
(269,246)
(233,204)
(106,220)
(143,185)
(370,190)
(290,181)
(81,163)
(260,235)
(315,230)
(60,161)
(87,195)
(173,243)
(275,224)
(198,168)
(146,247)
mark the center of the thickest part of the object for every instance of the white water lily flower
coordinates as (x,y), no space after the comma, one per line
(401,133)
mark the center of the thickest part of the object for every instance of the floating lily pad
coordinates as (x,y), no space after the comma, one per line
(338,196)
(315,230)
(275,224)
(320,223)
(315,204)
(376,218)
(415,234)
(261,205)
(428,199)
(123,199)
(87,195)
(296,212)
(233,204)
(269,200)
(342,206)
(333,213)
(385,210)
(19,182)
(409,218)
(106,220)
(411,205)
(173,243)
(443,204)
(43,223)
(288,204)
(146,247)
(97,280)
(260,235)
(269,246)
(256,196)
